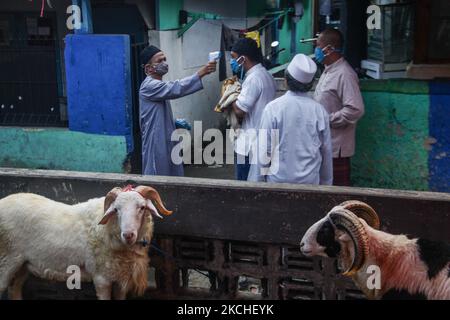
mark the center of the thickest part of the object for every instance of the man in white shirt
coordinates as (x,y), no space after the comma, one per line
(301,151)
(258,89)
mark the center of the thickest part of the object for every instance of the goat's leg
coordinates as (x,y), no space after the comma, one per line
(119,293)
(103,288)
(2,290)
(9,265)
(15,288)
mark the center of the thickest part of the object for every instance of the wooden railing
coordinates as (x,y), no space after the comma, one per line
(230,239)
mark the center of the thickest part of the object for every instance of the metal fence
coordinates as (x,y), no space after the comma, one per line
(29,86)
(235,240)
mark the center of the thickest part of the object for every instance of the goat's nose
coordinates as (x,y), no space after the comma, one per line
(128,235)
(302,244)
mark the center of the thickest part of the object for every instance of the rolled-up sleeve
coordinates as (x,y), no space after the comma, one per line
(352,102)
(250,92)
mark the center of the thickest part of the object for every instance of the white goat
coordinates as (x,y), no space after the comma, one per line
(105,237)
(409,268)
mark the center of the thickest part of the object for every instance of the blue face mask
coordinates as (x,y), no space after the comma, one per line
(319,54)
(235,67)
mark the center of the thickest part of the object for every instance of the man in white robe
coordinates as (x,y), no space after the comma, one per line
(258,89)
(156,118)
(294,143)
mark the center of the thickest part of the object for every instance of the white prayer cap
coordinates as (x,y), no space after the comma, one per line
(302,68)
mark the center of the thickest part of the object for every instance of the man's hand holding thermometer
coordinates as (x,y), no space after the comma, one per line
(211,66)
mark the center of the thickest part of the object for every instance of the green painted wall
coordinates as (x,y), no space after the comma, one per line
(284,36)
(61,149)
(168,14)
(304,29)
(392,140)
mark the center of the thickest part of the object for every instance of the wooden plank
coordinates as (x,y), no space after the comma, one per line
(243,211)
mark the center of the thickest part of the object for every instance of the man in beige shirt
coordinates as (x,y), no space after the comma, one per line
(338,91)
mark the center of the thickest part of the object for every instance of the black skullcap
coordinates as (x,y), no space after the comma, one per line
(248,47)
(148,53)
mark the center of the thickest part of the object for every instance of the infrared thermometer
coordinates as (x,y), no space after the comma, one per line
(214,56)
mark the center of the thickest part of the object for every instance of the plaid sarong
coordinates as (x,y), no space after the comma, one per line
(341,172)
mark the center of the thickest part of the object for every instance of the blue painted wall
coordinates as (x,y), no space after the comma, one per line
(439,118)
(99,85)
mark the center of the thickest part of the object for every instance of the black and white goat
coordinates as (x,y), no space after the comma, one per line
(409,268)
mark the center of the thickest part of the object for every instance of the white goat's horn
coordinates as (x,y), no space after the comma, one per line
(152,194)
(363,211)
(349,222)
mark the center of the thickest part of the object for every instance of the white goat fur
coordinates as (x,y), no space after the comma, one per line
(45,237)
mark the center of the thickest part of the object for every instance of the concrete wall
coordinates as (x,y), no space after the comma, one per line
(439,155)
(91,110)
(403,139)
(99,85)
(61,149)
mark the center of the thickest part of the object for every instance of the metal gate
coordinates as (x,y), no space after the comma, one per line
(29,76)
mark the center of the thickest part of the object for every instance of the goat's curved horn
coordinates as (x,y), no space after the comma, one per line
(152,194)
(111,197)
(349,222)
(363,211)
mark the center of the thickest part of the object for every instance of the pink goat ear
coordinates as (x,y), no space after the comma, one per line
(344,237)
(108,214)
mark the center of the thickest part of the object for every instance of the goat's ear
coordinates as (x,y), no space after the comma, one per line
(108,214)
(111,197)
(343,236)
(152,209)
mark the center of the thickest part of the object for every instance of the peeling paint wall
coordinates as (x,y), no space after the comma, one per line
(99,85)
(403,139)
(61,149)
(439,117)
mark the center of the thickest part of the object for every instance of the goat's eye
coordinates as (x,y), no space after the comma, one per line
(143,208)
